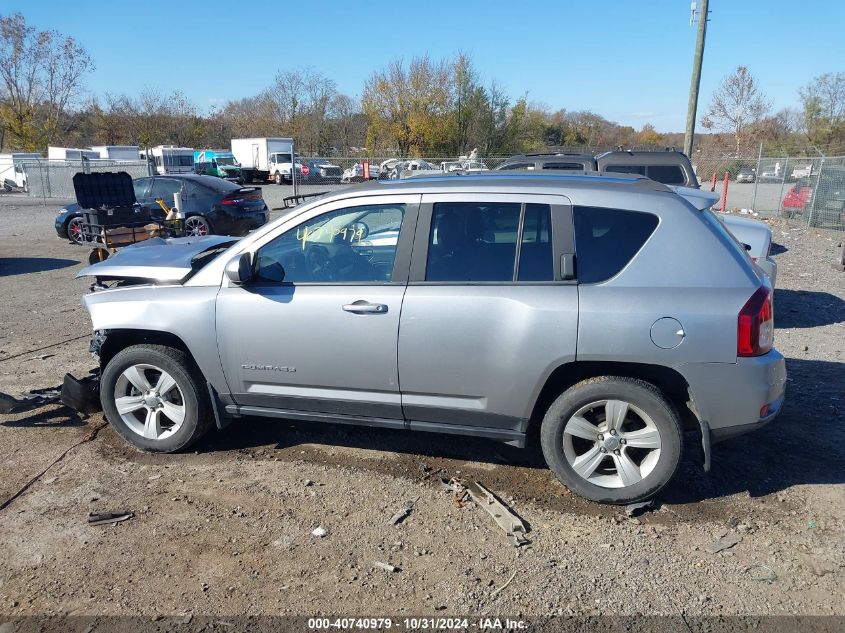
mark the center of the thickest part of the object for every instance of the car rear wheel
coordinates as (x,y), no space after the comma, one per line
(155,397)
(74,230)
(612,439)
(197,225)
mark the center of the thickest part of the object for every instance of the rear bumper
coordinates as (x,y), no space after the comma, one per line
(736,398)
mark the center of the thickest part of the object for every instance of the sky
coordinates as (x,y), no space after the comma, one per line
(627,60)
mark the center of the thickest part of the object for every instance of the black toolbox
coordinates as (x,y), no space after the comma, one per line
(108,199)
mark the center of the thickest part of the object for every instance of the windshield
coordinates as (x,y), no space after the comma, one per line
(228,161)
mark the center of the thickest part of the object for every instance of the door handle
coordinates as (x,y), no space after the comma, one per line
(365,307)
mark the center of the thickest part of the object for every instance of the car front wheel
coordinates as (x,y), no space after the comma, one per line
(612,439)
(155,398)
(277,178)
(74,230)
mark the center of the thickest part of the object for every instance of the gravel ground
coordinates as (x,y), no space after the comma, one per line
(226,530)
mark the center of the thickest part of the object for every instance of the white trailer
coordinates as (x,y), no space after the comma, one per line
(265,158)
(117,152)
(169,159)
(70,153)
(12,174)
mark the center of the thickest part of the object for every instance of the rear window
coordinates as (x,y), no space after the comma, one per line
(667,174)
(517,166)
(626,169)
(607,239)
(218,184)
(577,166)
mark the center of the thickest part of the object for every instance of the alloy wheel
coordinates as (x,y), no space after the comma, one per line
(196,226)
(149,401)
(74,230)
(611,443)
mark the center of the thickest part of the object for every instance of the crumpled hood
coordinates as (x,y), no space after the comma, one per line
(158,259)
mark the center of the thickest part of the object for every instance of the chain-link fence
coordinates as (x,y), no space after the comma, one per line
(54,178)
(811,190)
(807,189)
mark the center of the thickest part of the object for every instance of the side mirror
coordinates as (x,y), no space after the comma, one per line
(239,269)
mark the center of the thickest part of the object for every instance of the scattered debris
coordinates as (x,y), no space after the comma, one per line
(723,543)
(811,524)
(634,509)
(397,518)
(36,398)
(430,473)
(51,480)
(762,573)
(514,527)
(320,532)
(453,485)
(104,518)
(154,477)
(386,566)
(496,591)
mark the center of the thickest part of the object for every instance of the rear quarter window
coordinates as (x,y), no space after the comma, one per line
(607,239)
(571,166)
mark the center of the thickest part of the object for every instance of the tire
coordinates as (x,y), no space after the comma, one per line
(197,225)
(146,366)
(277,178)
(645,418)
(74,230)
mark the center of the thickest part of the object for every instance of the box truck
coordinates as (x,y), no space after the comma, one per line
(12,174)
(169,159)
(266,158)
(117,152)
(70,153)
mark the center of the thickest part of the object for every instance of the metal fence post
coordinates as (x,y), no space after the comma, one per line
(757,178)
(782,183)
(815,193)
(293,173)
(725,190)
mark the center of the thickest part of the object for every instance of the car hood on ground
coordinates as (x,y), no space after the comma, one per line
(158,259)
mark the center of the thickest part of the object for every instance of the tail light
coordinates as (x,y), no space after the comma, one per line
(242,195)
(756,324)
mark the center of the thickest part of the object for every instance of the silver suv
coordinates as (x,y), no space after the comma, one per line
(609,312)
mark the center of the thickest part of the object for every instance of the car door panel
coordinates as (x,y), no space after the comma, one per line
(327,348)
(463,345)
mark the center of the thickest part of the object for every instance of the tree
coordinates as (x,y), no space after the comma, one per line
(823,101)
(406,107)
(736,106)
(41,73)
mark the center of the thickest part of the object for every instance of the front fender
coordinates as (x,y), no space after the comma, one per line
(184,312)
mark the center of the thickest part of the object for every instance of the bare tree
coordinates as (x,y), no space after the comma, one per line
(41,73)
(737,106)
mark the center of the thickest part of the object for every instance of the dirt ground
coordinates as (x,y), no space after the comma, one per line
(226,530)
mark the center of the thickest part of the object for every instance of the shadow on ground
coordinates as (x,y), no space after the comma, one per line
(807,308)
(24,265)
(805,445)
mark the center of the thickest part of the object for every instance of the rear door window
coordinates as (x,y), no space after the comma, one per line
(489,242)
(165,188)
(607,239)
(667,174)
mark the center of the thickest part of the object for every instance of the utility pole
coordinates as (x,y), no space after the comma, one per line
(696,73)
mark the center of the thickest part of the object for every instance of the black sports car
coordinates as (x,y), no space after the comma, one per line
(211,205)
